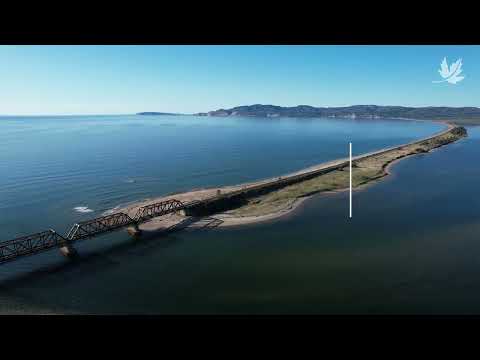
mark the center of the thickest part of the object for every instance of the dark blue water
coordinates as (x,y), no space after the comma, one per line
(51,165)
(411,247)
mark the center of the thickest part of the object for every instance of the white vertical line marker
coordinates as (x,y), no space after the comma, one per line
(350,180)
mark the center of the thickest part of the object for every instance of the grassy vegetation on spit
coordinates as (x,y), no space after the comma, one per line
(364,171)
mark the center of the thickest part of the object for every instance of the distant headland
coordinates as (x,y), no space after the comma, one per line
(459,115)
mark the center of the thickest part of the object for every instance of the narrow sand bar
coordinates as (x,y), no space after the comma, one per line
(367,168)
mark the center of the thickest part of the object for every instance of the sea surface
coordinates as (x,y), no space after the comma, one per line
(412,245)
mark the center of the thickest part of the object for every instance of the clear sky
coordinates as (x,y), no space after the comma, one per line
(128,79)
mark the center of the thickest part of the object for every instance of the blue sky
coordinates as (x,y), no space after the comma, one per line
(128,79)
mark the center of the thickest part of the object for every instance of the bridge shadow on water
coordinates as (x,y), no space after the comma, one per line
(115,255)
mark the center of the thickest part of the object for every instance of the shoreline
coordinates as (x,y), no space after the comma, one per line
(297,203)
(230,218)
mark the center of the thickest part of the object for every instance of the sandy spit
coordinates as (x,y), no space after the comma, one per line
(225,219)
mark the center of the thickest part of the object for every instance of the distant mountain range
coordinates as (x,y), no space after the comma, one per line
(461,115)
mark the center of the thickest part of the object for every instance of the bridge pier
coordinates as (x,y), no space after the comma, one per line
(68,251)
(134,231)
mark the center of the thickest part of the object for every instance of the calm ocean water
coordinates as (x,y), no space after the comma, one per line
(411,246)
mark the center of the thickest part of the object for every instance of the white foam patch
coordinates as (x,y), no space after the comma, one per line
(82,209)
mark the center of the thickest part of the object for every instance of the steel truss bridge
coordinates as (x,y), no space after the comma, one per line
(46,240)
